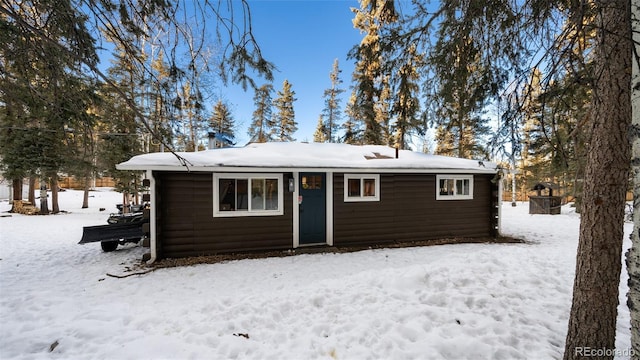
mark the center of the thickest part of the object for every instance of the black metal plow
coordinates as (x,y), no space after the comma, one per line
(111,235)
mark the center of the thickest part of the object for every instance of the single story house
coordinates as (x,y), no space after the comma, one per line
(276,196)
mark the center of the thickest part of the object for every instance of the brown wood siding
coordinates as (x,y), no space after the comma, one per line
(408,211)
(363,222)
(186,226)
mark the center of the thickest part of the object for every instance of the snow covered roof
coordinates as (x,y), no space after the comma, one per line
(306,156)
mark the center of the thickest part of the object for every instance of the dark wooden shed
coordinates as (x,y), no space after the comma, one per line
(278,196)
(545,203)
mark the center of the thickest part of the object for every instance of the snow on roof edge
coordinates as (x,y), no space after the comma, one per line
(307,156)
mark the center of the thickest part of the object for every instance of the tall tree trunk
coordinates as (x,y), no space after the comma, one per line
(85,197)
(592,323)
(16,195)
(32,190)
(514,195)
(633,256)
(54,194)
(136,193)
(17,189)
(125,202)
(86,182)
(44,204)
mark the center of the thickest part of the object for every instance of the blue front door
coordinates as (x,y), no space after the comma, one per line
(312,208)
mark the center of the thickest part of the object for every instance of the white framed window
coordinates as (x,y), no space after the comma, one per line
(247,195)
(361,187)
(454,187)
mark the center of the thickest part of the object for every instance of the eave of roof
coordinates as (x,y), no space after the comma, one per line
(276,157)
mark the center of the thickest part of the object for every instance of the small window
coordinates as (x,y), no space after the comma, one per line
(312,182)
(247,195)
(361,187)
(454,187)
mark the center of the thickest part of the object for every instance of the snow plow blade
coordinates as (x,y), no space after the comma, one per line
(112,232)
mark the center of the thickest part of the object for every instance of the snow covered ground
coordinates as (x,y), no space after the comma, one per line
(470,301)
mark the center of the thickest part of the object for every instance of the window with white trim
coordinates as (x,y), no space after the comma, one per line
(247,195)
(454,187)
(361,187)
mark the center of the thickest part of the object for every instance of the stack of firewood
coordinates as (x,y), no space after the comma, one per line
(24,207)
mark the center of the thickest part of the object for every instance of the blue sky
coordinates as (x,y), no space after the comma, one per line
(302,39)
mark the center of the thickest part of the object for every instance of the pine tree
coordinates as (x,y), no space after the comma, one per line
(592,321)
(42,91)
(469,56)
(555,148)
(121,135)
(445,141)
(190,122)
(633,255)
(462,89)
(138,28)
(80,139)
(285,118)
(496,38)
(331,112)
(370,19)
(353,126)
(382,109)
(159,96)
(406,105)
(530,110)
(262,122)
(320,135)
(222,121)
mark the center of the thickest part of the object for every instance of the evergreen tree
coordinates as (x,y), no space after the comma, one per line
(598,264)
(159,96)
(190,123)
(493,35)
(445,141)
(382,109)
(120,133)
(353,126)
(556,149)
(42,90)
(462,88)
(553,147)
(262,121)
(320,135)
(370,19)
(222,122)
(285,118)
(195,75)
(331,112)
(406,104)
(633,255)
(529,111)
(80,139)
(138,28)
(465,67)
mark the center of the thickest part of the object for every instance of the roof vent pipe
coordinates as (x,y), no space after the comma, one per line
(397,151)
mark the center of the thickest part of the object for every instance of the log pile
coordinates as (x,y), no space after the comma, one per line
(24,207)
